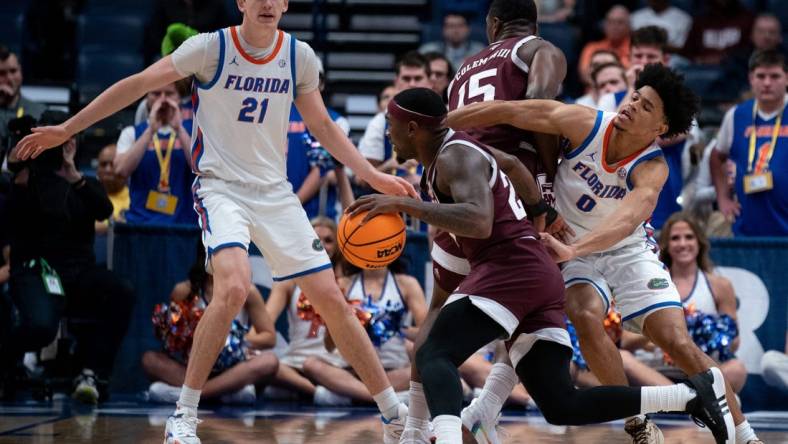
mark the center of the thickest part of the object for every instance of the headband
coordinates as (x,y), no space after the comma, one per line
(396,111)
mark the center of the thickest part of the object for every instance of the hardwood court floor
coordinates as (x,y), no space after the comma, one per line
(135,422)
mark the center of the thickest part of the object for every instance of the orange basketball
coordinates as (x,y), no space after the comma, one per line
(375,244)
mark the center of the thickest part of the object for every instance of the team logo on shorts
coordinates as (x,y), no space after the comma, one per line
(658,284)
(316,245)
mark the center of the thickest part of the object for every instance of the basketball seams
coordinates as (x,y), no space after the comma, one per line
(375,241)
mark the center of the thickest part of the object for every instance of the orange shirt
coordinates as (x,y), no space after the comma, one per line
(592,47)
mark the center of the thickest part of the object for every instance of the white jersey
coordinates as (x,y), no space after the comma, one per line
(241,112)
(588,190)
(306,335)
(702,296)
(392,351)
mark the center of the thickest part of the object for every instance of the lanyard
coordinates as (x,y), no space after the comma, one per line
(164,160)
(765,157)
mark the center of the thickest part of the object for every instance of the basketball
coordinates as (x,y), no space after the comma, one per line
(375,244)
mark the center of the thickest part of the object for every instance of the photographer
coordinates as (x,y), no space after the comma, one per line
(155,156)
(52,209)
(12,103)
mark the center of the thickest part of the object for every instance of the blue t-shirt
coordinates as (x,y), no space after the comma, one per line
(764,213)
(666,203)
(146,178)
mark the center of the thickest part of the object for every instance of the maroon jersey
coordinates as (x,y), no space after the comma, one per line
(449,266)
(509,222)
(496,73)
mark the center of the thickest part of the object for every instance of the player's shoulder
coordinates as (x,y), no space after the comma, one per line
(303,49)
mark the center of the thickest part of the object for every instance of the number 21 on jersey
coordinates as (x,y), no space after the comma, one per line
(249,109)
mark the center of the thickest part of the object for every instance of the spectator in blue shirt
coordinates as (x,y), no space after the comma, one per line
(155,156)
(754,136)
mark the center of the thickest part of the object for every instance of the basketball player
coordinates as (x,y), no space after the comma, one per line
(246,78)
(607,187)
(514,289)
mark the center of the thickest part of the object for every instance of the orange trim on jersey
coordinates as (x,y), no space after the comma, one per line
(622,162)
(279,39)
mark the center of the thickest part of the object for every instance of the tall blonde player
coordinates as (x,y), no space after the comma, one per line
(246,78)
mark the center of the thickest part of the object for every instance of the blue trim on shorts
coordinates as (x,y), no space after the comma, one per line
(648,156)
(589,138)
(598,289)
(293,42)
(651,308)
(219,67)
(212,251)
(303,273)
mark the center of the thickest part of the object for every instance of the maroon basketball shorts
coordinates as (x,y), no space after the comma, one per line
(519,286)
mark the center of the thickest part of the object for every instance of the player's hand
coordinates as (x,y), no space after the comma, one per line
(388,184)
(729,208)
(632,74)
(561,230)
(559,251)
(175,120)
(539,222)
(42,139)
(375,204)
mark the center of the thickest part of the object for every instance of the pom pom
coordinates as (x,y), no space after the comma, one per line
(177,33)
(381,323)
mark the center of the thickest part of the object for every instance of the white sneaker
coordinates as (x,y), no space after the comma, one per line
(245,396)
(163,393)
(414,436)
(393,428)
(483,428)
(326,397)
(182,428)
(85,390)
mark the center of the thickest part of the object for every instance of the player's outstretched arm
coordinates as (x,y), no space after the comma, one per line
(116,97)
(647,180)
(471,214)
(544,116)
(313,110)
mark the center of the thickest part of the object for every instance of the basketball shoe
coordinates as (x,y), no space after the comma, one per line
(415,436)
(483,426)
(392,428)
(643,431)
(710,408)
(85,389)
(181,427)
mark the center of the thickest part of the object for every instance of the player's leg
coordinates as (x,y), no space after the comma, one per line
(586,309)
(544,370)
(460,329)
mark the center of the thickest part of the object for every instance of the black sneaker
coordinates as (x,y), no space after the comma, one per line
(710,408)
(85,389)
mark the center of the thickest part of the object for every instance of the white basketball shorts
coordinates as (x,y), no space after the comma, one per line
(632,276)
(233,213)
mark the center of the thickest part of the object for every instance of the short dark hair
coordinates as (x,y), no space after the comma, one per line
(421,100)
(413,59)
(514,10)
(604,66)
(430,56)
(679,103)
(650,36)
(465,16)
(770,57)
(5,53)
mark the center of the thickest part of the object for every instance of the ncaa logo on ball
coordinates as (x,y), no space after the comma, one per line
(386,252)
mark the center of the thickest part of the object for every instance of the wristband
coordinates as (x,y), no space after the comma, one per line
(537,209)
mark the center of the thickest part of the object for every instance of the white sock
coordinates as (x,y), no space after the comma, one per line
(497,388)
(448,429)
(671,398)
(418,412)
(388,403)
(744,433)
(189,398)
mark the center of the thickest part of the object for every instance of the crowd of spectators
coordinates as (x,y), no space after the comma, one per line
(732,178)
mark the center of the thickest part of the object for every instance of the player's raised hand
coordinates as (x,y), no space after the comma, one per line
(388,184)
(42,139)
(559,251)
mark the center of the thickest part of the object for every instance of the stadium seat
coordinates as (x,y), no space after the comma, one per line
(780,9)
(98,70)
(128,32)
